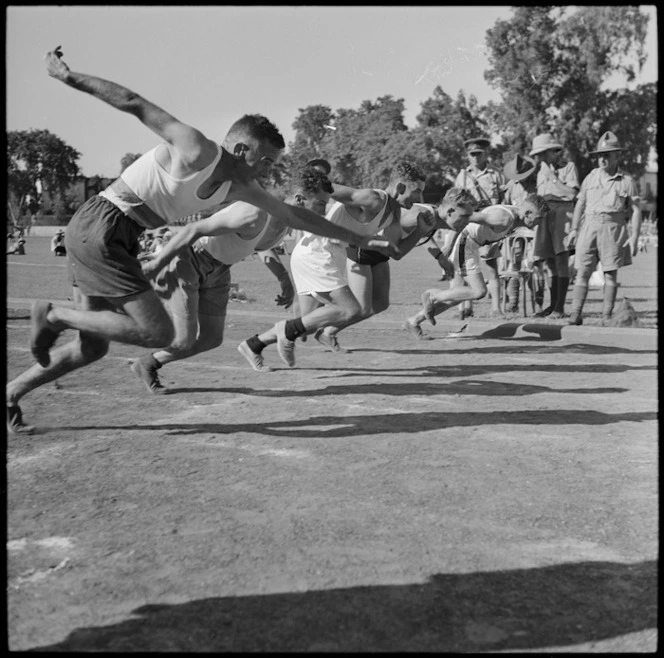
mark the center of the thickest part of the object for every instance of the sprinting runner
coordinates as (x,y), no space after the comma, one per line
(186,173)
(318,265)
(368,271)
(469,283)
(485,182)
(194,282)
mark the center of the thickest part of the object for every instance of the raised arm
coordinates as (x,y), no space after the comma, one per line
(193,148)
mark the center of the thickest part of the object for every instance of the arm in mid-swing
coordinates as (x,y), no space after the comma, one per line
(300,218)
(229,219)
(365,199)
(189,149)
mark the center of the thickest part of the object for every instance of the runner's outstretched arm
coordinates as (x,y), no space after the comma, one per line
(192,146)
(301,218)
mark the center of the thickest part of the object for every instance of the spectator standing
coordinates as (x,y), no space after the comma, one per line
(485,182)
(608,197)
(551,235)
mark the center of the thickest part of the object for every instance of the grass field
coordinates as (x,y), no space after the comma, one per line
(496,492)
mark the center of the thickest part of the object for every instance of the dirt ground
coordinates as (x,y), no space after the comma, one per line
(492,492)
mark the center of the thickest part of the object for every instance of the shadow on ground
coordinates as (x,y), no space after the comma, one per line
(551,606)
(396,423)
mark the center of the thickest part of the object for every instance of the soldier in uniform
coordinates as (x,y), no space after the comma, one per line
(608,197)
(550,239)
(485,183)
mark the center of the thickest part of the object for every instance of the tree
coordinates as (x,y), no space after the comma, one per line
(551,66)
(38,161)
(444,125)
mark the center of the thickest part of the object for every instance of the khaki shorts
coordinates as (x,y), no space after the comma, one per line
(602,239)
(194,283)
(550,235)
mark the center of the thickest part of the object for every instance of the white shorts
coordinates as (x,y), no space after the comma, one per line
(318,265)
(466,255)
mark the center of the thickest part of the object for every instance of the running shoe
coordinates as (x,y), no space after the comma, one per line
(415,331)
(328,341)
(255,360)
(148,375)
(15,424)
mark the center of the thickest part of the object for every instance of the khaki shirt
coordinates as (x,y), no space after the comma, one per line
(484,186)
(548,183)
(569,175)
(604,194)
(515,193)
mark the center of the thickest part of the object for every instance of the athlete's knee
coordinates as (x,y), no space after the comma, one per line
(351,312)
(478,294)
(92,348)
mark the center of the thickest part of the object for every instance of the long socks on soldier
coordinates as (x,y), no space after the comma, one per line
(553,292)
(580,294)
(610,291)
(563,285)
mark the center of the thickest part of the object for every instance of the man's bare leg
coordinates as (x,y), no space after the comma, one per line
(136,319)
(326,308)
(436,301)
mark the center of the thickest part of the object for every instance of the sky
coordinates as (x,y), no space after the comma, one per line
(209,65)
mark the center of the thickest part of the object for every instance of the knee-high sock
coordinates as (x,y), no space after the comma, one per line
(610,290)
(553,291)
(580,293)
(563,285)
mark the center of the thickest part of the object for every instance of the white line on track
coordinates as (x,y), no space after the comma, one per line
(14,262)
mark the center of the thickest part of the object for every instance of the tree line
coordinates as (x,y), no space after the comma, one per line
(550,66)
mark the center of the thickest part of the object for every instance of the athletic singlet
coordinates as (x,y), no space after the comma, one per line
(415,210)
(231,248)
(148,194)
(338,214)
(483,234)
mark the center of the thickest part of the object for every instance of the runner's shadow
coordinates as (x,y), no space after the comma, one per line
(398,423)
(476,370)
(467,387)
(522,609)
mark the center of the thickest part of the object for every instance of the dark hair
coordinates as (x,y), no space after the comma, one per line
(539,202)
(258,127)
(459,196)
(406,171)
(310,180)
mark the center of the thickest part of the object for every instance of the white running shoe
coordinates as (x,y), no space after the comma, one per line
(255,360)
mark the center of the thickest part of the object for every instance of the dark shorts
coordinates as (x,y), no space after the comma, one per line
(365,256)
(194,283)
(102,248)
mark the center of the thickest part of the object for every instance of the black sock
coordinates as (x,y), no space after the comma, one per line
(255,344)
(294,328)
